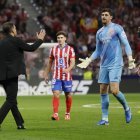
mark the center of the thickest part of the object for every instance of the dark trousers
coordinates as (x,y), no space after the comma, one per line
(11,89)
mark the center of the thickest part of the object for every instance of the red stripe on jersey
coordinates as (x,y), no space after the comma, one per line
(61,59)
(51,56)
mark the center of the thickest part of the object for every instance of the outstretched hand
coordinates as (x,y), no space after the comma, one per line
(131,64)
(41,34)
(84,62)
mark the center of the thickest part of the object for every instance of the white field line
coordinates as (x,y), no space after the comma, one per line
(112,105)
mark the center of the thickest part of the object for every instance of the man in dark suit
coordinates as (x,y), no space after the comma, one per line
(11,65)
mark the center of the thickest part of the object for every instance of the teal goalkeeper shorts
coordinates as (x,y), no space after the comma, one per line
(108,75)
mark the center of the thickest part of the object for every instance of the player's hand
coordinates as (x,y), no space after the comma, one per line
(46,81)
(131,64)
(66,70)
(41,34)
(85,62)
(46,78)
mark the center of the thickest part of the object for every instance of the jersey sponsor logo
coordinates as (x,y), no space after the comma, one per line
(61,62)
(106,40)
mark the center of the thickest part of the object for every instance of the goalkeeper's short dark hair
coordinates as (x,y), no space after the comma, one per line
(107,10)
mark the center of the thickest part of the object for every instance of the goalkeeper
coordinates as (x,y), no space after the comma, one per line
(108,48)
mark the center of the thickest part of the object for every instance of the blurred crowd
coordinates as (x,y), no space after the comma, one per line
(13,12)
(81,20)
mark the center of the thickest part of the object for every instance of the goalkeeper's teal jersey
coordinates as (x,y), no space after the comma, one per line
(108,45)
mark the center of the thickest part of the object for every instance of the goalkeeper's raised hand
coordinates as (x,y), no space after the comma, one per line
(131,64)
(84,62)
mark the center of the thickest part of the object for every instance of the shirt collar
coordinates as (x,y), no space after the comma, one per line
(63,46)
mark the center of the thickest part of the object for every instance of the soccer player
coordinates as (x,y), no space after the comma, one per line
(62,57)
(108,48)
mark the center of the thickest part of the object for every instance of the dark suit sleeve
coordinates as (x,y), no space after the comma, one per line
(26,47)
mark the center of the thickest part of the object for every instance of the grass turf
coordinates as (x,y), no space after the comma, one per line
(37,111)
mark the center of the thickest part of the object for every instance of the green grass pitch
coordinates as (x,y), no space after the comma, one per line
(85,113)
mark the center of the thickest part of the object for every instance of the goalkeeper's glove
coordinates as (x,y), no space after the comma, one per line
(131,63)
(85,62)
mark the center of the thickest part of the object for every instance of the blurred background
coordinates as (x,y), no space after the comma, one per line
(81,20)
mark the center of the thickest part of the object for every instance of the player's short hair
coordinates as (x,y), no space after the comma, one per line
(61,33)
(107,10)
(7,27)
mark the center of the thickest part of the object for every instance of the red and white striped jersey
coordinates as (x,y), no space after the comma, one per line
(61,57)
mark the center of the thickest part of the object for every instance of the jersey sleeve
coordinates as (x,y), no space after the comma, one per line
(72,53)
(124,40)
(97,52)
(51,56)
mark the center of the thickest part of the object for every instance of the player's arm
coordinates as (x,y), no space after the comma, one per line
(72,61)
(96,54)
(26,47)
(128,50)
